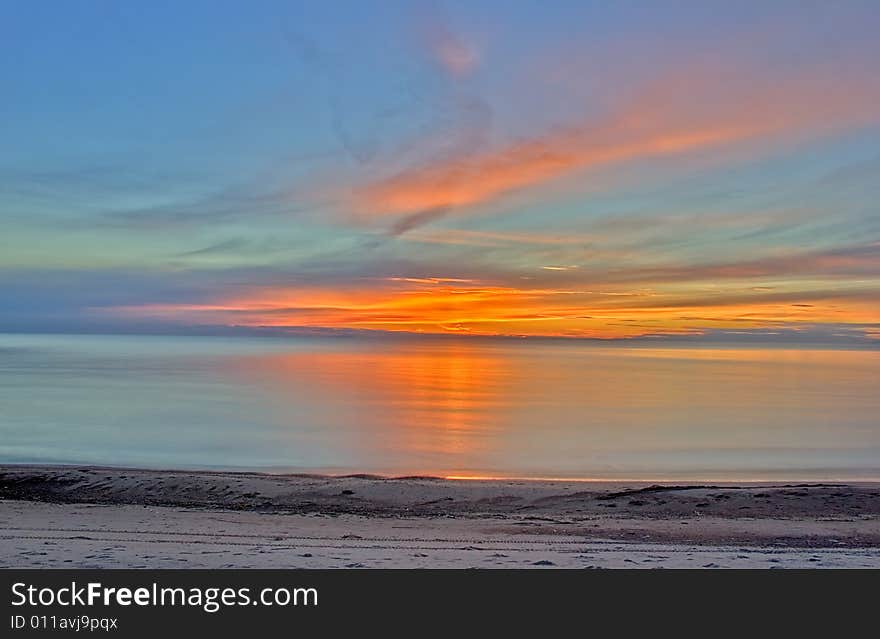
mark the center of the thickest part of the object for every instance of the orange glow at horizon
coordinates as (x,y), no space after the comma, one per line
(456,306)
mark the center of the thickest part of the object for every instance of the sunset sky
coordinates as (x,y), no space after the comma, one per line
(574,169)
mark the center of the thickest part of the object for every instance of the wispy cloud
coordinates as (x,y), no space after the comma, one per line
(447,48)
(451,304)
(648,183)
(860,260)
(495,238)
(691,109)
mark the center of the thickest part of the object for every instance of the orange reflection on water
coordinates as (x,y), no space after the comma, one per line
(446,400)
(468,409)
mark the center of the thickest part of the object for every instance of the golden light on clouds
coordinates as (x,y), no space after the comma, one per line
(452,305)
(691,109)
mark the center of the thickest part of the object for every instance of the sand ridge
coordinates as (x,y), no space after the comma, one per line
(108,517)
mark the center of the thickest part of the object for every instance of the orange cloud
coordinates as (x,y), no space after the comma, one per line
(467,181)
(456,56)
(447,305)
(682,112)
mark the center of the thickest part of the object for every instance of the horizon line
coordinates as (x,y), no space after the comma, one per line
(717,338)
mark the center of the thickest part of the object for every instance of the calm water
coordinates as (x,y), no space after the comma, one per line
(453,408)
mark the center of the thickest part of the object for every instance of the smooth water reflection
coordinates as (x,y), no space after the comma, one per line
(441,407)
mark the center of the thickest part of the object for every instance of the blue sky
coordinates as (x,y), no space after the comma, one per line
(580,169)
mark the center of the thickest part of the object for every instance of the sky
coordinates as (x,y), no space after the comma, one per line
(598,170)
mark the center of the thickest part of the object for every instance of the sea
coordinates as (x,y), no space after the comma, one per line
(456,407)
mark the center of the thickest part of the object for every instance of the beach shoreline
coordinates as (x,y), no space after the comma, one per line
(78,516)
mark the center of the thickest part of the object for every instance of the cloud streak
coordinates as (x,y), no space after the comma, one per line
(689,110)
(637,306)
(448,49)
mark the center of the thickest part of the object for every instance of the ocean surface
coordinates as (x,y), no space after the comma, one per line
(461,408)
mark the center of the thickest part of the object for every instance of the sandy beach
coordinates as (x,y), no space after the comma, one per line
(125,518)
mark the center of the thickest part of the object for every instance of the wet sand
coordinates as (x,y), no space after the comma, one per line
(108,518)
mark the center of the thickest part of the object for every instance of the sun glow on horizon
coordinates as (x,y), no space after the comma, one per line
(439,305)
(590,170)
